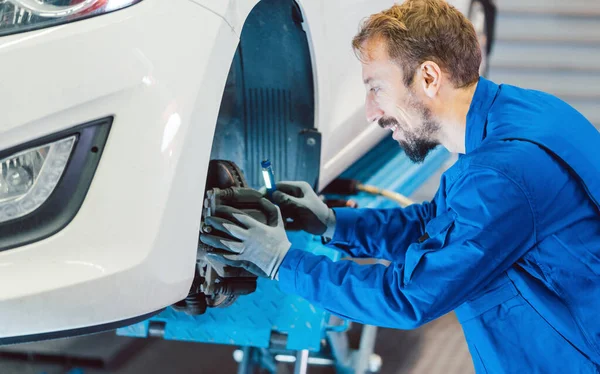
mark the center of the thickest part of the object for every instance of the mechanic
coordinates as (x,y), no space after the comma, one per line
(511,241)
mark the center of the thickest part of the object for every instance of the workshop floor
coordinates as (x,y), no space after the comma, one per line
(436,348)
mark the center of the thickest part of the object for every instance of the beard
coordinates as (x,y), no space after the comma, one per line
(416,144)
(417,149)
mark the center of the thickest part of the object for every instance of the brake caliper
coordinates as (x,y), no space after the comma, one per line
(216,284)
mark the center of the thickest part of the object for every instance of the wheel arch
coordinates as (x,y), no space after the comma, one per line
(268,105)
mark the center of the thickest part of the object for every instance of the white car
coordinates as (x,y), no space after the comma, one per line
(111,112)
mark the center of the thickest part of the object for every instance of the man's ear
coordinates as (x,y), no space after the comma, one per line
(431,77)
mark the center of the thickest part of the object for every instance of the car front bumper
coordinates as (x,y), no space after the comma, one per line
(157,69)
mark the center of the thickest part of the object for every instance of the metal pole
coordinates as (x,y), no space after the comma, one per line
(301,362)
(246,363)
(340,349)
(367,345)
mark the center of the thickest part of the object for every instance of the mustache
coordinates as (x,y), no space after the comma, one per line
(387,121)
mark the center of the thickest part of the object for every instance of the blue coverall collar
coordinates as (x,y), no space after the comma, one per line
(484,96)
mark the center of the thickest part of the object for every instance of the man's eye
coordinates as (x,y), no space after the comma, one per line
(375,89)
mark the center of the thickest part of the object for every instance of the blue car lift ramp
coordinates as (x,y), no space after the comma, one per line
(272,326)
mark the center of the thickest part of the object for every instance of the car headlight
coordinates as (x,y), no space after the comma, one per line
(43,183)
(25,15)
(28,178)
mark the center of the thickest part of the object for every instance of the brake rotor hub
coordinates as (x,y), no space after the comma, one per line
(216,284)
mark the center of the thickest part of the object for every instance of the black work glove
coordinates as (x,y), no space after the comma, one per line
(301,204)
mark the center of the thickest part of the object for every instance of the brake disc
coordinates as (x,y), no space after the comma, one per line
(217,285)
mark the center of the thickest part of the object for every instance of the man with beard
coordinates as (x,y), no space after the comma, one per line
(511,241)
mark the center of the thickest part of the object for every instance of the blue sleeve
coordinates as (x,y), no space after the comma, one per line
(488,226)
(380,233)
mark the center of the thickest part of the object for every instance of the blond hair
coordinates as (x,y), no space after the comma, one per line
(425,30)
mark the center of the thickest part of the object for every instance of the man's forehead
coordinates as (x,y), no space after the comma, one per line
(374,50)
(375,61)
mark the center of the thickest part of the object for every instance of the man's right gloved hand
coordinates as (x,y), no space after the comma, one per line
(299,202)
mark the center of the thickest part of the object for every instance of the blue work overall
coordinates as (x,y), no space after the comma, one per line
(511,242)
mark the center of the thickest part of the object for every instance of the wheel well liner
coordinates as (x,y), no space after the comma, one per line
(268,104)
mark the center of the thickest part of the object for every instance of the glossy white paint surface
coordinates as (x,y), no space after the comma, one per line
(234,11)
(159,67)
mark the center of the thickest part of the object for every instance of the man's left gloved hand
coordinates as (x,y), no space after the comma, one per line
(259,248)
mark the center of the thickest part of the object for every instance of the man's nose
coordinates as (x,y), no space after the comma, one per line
(374,112)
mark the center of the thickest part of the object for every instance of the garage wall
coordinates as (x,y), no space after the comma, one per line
(553,46)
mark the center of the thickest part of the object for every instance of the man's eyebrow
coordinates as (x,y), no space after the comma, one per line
(372,81)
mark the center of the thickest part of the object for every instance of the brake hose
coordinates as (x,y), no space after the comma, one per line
(353,186)
(392,195)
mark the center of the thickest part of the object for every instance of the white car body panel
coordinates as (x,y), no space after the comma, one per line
(233,11)
(131,248)
(159,67)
